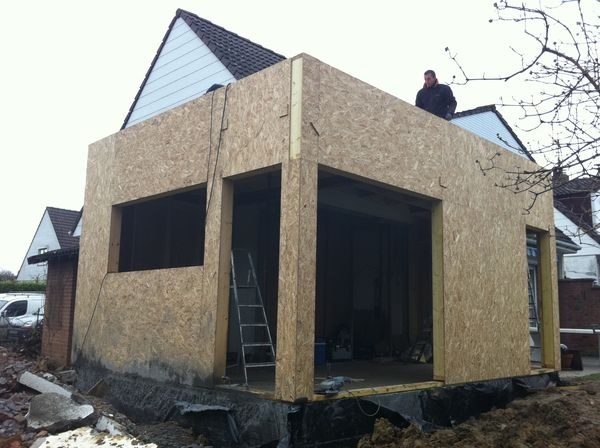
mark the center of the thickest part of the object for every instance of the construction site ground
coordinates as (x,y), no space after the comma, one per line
(563,416)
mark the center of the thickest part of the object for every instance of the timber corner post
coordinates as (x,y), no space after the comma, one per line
(224,221)
(437,266)
(294,374)
(549,301)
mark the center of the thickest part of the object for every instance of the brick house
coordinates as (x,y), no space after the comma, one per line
(61,283)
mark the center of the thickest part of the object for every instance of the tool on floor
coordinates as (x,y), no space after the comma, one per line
(333,384)
(255,335)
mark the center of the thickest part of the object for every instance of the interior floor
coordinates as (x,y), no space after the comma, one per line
(360,374)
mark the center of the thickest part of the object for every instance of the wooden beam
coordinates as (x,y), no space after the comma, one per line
(294,375)
(296,109)
(294,372)
(114,247)
(549,301)
(223,273)
(367,391)
(437,290)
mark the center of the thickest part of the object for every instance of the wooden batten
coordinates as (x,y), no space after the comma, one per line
(549,301)
(437,266)
(222,315)
(115,240)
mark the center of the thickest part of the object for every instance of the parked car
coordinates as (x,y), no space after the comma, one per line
(22,309)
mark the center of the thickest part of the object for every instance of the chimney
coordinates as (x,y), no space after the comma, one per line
(559,177)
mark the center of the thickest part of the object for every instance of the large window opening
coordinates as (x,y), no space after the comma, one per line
(373,314)
(167,232)
(255,249)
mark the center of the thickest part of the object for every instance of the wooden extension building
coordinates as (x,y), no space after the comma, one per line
(371,226)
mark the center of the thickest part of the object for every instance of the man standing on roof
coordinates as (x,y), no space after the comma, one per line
(435,97)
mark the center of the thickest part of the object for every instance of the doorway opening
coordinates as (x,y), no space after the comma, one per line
(373,313)
(252,332)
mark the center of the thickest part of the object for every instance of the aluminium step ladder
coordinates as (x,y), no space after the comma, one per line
(255,335)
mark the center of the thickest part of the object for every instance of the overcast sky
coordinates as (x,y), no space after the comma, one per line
(70,71)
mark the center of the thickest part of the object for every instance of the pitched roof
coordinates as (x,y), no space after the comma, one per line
(577,220)
(579,186)
(560,236)
(492,108)
(63,221)
(239,55)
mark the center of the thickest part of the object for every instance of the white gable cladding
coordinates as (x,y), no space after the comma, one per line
(487,125)
(584,263)
(77,230)
(185,69)
(44,238)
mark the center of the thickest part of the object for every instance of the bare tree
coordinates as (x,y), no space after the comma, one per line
(7,275)
(559,59)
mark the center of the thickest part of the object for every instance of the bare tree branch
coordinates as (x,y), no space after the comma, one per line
(559,58)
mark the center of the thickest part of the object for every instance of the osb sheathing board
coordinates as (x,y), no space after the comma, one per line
(366,132)
(297,272)
(161,323)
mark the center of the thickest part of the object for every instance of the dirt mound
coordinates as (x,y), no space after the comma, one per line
(552,418)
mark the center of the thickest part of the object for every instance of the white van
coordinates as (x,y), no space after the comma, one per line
(22,309)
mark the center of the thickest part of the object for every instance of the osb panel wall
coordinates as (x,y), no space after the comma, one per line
(257,121)
(171,150)
(174,150)
(297,271)
(366,132)
(156,324)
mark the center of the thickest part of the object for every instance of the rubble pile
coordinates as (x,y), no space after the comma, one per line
(14,401)
(39,409)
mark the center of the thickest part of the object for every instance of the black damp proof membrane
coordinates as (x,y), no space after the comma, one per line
(239,419)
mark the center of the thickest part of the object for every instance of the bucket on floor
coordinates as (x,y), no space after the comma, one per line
(320,351)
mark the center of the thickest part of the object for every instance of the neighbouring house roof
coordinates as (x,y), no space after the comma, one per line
(63,221)
(488,123)
(565,242)
(55,255)
(577,220)
(581,186)
(239,55)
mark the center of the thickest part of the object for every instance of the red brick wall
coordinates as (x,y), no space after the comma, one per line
(579,305)
(58,312)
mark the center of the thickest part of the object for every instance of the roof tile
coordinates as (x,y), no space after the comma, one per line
(63,221)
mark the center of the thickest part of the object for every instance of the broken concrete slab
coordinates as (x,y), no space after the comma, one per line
(88,438)
(41,385)
(56,413)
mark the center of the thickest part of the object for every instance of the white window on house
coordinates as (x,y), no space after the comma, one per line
(42,250)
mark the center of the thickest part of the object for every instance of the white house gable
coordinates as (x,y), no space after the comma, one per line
(488,126)
(44,240)
(185,69)
(583,264)
(77,230)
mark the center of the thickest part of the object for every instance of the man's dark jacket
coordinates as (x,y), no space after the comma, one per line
(438,99)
